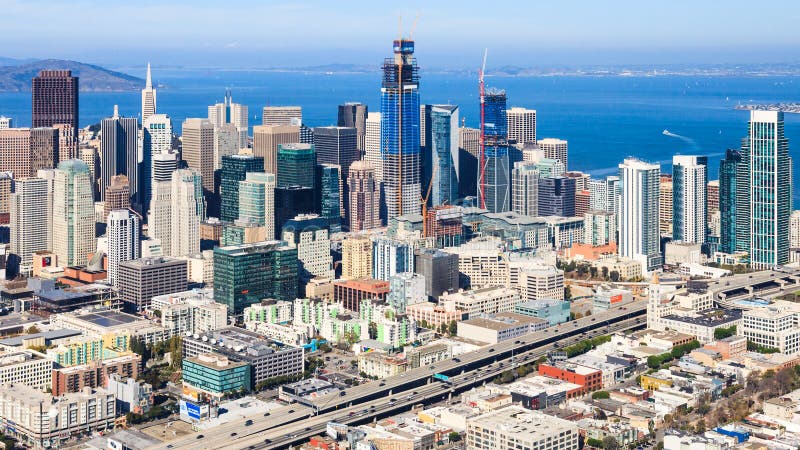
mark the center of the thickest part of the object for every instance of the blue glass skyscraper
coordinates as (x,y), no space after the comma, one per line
(400,131)
(440,156)
(728,200)
(495,180)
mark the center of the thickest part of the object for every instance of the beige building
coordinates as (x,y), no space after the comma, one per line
(356,257)
(380,365)
(665,205)
(554,149)
(198,149)
(266,139)
(515,427)
(626,268)
(372,143)
(282,115)
(118,195)
(432,314)
(500,327)
(490,300)
(521,125)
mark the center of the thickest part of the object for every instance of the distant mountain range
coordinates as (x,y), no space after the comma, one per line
(16,75)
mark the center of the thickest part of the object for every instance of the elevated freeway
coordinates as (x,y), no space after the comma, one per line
(295,423)
(728,291)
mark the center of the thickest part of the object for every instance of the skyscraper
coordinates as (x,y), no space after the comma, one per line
(73,213)
(188,210)
(493,188)
(226,143)
(235,114)
(554,149)
(689,180)
(337,145)
(159,216)
(148,97)
(400,131)
(163,166)
(198,152)
(365,194)
(29,232)
(638,212)
(67,146)
(329,189)
(525,192)
(156,140)
(556,196)
(235,169)
(441,156)
(469,147)
(310,235)
(729,200)
(295,164)
(665,204)
(372,143)
(88,155)
(282,115)
(266,140)
(119,151)
(117,195)
(257,201)
(770,190)
(521,125)
(124,242)
(354,115)
(54,98)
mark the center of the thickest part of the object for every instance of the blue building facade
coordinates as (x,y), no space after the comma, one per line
(441,154)
(496,168)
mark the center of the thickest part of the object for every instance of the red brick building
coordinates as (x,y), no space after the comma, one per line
(589,379)
(351,292)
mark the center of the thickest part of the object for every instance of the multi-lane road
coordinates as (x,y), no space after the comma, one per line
(295,423)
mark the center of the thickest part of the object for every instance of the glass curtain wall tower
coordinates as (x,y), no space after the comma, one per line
(493,183)
(400,131)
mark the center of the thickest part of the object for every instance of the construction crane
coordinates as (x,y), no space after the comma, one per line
(424,202)
(482,162)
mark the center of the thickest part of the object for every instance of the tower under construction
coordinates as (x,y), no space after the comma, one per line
(400,128)
(493,189)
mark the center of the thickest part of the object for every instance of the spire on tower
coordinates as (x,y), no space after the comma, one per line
(149,81)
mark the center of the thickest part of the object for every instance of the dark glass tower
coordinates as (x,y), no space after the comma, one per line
(296,163)
(440,157)
(557,196)
(400,129)
(329,201)
(728,188)
(54,97)
(120,154)
(495,168)
(234,169)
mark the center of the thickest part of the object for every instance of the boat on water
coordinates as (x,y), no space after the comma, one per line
(666,132)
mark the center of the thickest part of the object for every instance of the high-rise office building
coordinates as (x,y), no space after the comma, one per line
(365,194)
(712,197)
(603,194)
(29,227)
(226,143)
(124,240)
(554,149)
(638,212)
(372,143)
(198,152)
(439,269)
(354,115)
(310,235)
(295,164)
(156,140)
(337,145)
(525,192)
(235,114)
(148,97)
(23,151)
(329,190)
(188,210)
(521,125)
(391,256)
(235,169)
(729,186)
(163,166)
(248,273)
(54,95)
(50,176)
(770,190)
(159,215)
(689,180)
(493,178)
(469,146)
(119,150)
(257,201)
(291,201)
(90,157)
(73,213)
(139,280)
(266,140)
(400,131)
(282,115)
(44,148)
(67,146)
(440,160)
(117,195)
(556,197)
(666,198)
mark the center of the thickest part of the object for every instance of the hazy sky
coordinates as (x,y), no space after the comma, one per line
(448,34)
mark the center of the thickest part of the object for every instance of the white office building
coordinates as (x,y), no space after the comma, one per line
(29,232)
(514,427)
(521,125)
(525,188)
(187,211)
(372,144)
(554,149)
(123,240)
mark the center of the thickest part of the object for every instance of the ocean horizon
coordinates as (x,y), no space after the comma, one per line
(604,119)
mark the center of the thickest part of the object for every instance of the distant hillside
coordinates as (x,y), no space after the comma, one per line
(17,78)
